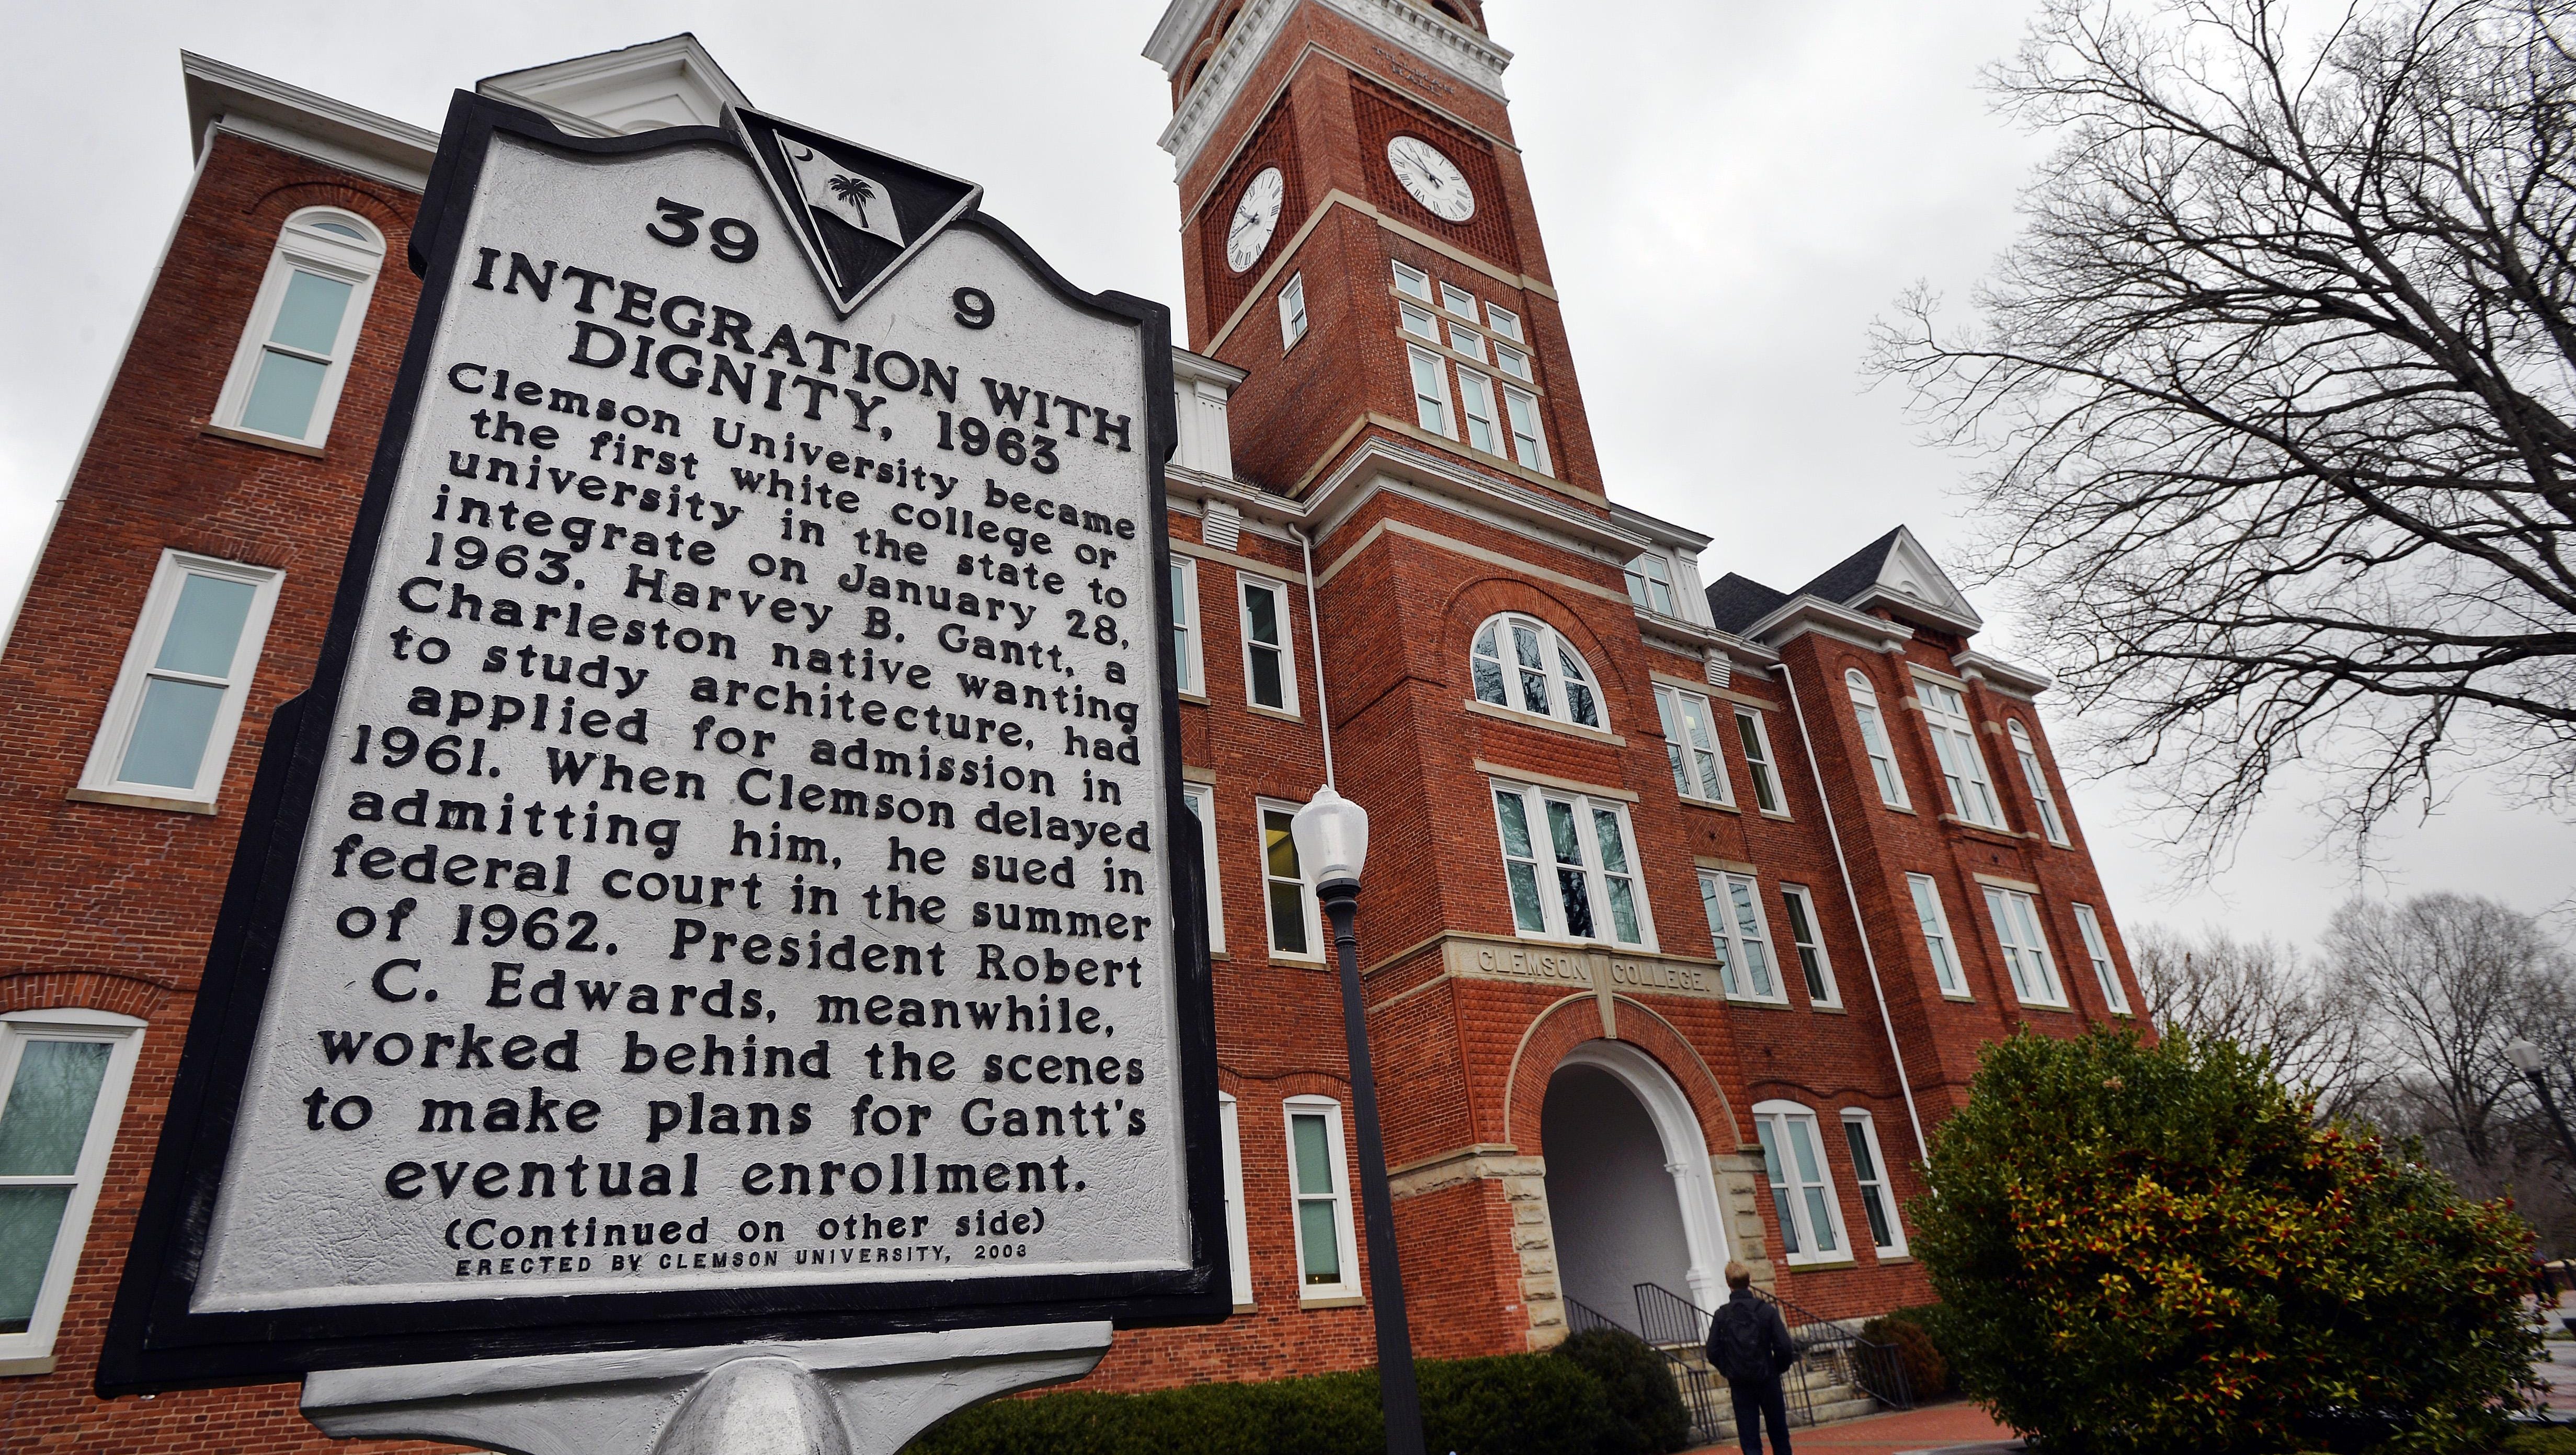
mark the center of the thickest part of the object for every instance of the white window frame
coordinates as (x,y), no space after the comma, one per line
(1560,703)
(1246,583)
(1417,323)
(1647,572)
(1477,414)
(1436,414)
(1694,763)
(1954,746)
(304,247)
(1201,798)
(1503,321)
(1470,343)
(1933,918)
(1238,1237)
(1534,801)
(1771,1120)
(1348,1290)
(2051,821)
(1451,296)
(1292,311)
(32,1352)
(2098,950)
(99,780)
(1801,903)
(1514,362)
(1753,735)
(1412,282)
(1874,740)
(1727,898)
(1189,656)
(1520,407)
(2024,943)
(1314,952)
(1859,1117)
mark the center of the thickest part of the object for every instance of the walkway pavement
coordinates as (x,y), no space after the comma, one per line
(2557,1366)
(1954,1427)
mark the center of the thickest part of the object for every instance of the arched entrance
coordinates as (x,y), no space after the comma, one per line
(1630,1194)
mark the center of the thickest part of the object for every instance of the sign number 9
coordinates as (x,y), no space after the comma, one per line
(974,307)
(729,238)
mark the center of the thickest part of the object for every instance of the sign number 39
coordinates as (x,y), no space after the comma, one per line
(729,238)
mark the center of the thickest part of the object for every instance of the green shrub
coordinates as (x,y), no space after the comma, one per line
(2541,1440)
(1644,1401)
(2144,1249)
(1514,1405)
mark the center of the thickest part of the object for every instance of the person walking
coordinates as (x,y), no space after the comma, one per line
(1749,1345)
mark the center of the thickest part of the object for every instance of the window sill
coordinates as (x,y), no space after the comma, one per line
(1780,814)
(1749,1002)
(265,441)
(1531,719)
(1708,803)
(1886,1258)
(1960,996)
(1983,830)
(1198,697)
(1821,1008)
(36,1364)
(1904,808)
(1282,715)
(138,800)
(2044,1005)
(1821,1265)
(1565,942)
(1302,962)
(1330,1300)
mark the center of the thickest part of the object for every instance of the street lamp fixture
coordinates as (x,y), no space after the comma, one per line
(1331,834)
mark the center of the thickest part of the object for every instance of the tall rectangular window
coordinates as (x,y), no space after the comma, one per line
(1430,392)
(1287,900)
(1569,863)
(1327,1251)
(1742,939)
(1201,799)
(2098,950)
(1873,738)
(2050,821)
(1869,1173)
(63,1076)
(1292,312)
(1412,282)
(1757,761)
(1529,441)
(2034,974)
(1937,940)
(1229,1126)
(1690,744)
(1188,671)
(1476,409)
(294,353)
(1954,742)
(1650,584)
(1802,1188)
(1269,673)
(1805,933)
(178,701)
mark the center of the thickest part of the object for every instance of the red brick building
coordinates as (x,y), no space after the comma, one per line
(1688,909)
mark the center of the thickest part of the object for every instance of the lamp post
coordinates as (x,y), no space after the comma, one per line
(1331,834)
(2527,1059)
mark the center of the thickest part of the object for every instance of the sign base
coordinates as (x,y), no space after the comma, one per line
(824,1397)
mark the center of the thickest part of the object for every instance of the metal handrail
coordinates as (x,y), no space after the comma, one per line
(1824,1347)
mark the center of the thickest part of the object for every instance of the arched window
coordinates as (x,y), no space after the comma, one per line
(2040,796)
(294,355)
(1873,737)
(1522,664)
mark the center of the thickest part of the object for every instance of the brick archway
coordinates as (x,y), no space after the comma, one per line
(1577,1019)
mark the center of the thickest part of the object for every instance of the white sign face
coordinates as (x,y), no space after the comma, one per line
(738,856)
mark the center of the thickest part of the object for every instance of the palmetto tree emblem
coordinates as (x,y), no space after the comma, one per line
(856,192)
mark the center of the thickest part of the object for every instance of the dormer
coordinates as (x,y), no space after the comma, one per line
(672,82)
(1199,389)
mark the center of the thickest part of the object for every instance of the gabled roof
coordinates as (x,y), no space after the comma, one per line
(1736,602)
(1895,571)
(304,122)
(668,82)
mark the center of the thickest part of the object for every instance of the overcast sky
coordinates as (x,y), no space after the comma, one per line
(1730,192)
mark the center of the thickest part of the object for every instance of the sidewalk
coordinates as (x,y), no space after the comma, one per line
(1932,1427)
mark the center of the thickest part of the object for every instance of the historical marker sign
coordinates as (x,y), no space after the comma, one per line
(720,884)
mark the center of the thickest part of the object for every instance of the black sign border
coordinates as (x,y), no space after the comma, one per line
(155,1342)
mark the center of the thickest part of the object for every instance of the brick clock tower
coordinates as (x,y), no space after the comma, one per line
(1667,964)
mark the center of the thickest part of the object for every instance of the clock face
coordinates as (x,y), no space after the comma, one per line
(1432,178)
(1256,217)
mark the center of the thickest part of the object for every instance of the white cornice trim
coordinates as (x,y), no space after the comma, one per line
(305,122)
(1181,23)
(1332,501)
(578,95)
(1661,532)
(1200,369)
(2004,677)
(1461,52)
(1802,614)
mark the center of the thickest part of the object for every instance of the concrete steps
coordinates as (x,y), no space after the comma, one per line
(1827,1396)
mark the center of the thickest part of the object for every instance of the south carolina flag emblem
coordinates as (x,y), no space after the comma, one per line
(858,214)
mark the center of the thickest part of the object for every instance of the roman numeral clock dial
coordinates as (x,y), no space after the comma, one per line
(1431,178)
(1256,217)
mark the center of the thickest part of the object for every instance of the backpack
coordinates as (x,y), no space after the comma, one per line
(1738,1348)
